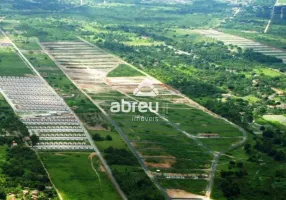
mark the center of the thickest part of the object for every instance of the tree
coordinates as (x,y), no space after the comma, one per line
(230,188)
(240,164)
(2,194)
(262,128)
(247,148)
(97,137)
(232,163)
(109,138)
(34,139)
(268,134)
(279,156)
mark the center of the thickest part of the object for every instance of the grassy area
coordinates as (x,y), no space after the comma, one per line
(276,119)
(268,72)
(75,179)
(11,64)
(251,99)
(195,121)
(220,144)
(41,60)
(116,141)
(124,70)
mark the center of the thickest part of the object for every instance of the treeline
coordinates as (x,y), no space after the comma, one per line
(131,178)
(272,143)
(21,169)
(37,5)
(10,123)
(235,183)
(119,157)
(259,57)
(230,180)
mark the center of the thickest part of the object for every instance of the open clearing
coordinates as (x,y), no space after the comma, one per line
(11,64)
(276,118)
(74,177)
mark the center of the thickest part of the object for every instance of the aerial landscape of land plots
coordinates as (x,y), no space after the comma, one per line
(147,99)
(46,115)
(106,79)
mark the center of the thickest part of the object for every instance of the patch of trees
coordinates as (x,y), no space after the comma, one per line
(136,185)
(251,55)
(98,137)
(34,139)
(9,140)
(236,110)
(115,156)
(9,122)
(271,144)
(229,182)
(23,168)
(51,5)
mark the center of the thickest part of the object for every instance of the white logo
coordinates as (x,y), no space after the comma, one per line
(136,106)
(146,83)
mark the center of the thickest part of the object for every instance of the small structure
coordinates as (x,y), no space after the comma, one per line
(14,144)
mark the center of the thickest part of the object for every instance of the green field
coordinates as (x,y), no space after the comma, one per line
(269,72)
(75,179)
(124,70)
(11,64)
(116,142)
(276,119)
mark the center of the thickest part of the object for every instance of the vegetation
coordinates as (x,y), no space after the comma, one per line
(22,170)
(124,70)
(9,122)
(11,64)
(238,84)
(75,178)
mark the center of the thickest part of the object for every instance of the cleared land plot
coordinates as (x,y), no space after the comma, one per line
(244,43)
(163,147)
(74,177)
(190,186)
(157,138)
(95,64)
